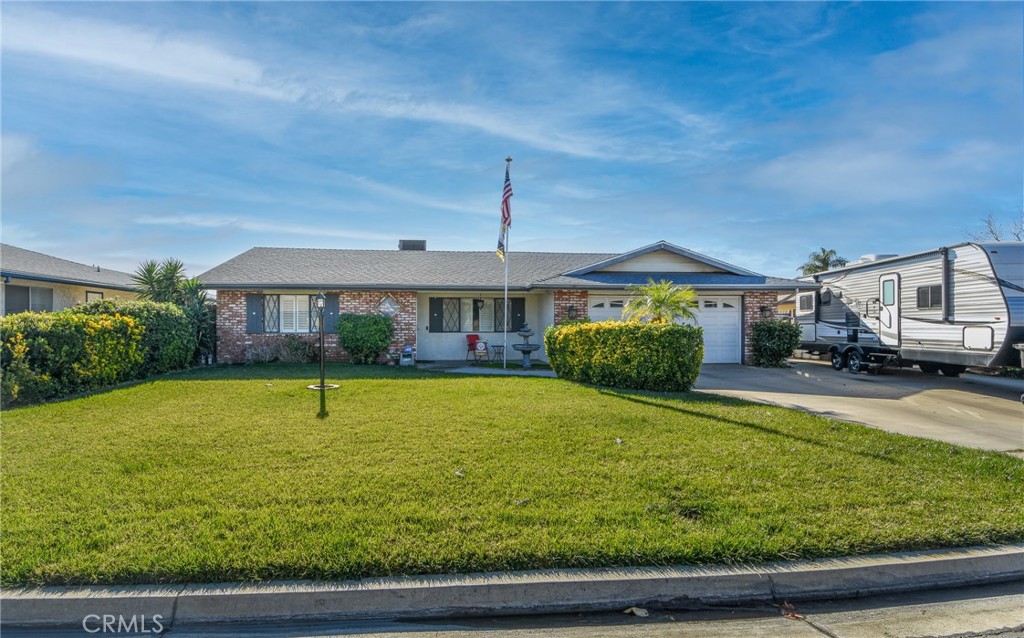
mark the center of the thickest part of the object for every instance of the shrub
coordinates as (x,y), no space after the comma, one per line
(294,349)
(365,337)
(774,341)
(660,357)
(260,354)
(48,355)
(169,340)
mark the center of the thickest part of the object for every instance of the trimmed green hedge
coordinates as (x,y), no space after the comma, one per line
(774,341)
(169,341)
(627,354)
(365,337)
(48,355)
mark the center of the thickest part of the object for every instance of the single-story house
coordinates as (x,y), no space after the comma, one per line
(436,298)
(38,282)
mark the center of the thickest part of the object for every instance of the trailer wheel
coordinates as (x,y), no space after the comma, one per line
(952,371)
(854,362)
(838,361)
(928,368)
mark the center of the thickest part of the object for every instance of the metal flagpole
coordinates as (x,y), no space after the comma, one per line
(508,315)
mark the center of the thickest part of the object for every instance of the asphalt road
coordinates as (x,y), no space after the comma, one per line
(972,411)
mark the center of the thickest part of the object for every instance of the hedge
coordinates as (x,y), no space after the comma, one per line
(47,355)
(169,340)
(365,337)
(774,341)
(639,356)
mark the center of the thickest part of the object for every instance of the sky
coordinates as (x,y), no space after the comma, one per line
(751,132)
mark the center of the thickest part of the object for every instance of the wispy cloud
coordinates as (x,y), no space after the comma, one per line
(255,226)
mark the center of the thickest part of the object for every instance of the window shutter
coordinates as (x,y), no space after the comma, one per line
(436,314)
(253,313)
(518,307)
(331,313)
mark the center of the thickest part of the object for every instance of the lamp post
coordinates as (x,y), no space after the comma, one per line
(321,300)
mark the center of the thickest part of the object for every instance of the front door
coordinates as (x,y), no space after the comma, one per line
(889,310)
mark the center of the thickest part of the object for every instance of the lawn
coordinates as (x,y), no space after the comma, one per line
(225,474)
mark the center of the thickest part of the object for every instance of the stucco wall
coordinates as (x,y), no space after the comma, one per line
(64,295)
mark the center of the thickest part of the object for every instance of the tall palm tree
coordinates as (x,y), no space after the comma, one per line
(662,302)
(822,260)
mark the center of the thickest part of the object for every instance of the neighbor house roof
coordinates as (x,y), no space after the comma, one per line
(283,268)
(27,264)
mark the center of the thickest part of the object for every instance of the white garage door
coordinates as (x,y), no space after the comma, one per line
(720,317)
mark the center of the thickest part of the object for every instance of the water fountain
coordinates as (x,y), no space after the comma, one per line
(526,347)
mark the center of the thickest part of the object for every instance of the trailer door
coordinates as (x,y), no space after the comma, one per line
(889,311)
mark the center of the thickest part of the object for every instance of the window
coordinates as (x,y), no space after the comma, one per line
(294,313)
(92,295)
(271,313)
(806,302)
(710,303)
(468,314)
(826,297)
(929,297)
(388,306)
(888,292)
(24,298)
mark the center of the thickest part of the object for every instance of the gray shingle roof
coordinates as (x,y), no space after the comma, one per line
(28,264)
(443,270)
(417,269)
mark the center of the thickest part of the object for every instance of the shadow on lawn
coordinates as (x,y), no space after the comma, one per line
(642,400)
(333,371)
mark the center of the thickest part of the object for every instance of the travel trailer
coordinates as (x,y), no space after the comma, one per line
(942,309)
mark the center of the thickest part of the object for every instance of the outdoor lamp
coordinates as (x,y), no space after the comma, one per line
(571,312)
(766,312)
(321,301)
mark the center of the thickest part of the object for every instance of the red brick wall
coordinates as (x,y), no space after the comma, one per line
(752,303)
(564,299)
(233,341)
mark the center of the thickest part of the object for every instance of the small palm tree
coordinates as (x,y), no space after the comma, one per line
(662,302)
(822,260)
(161,282)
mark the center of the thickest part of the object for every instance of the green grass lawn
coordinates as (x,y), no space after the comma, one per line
(226,474)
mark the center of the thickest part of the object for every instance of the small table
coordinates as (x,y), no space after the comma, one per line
(497,352)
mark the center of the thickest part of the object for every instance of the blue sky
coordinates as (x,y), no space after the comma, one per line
(754,133)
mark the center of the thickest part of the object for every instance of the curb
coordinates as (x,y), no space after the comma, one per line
(527,592)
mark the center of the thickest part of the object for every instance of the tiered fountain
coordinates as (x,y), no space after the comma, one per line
(526,347)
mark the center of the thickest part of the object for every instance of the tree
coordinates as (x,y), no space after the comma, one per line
(822,260)
(662,302)
(166,281)
(996,231)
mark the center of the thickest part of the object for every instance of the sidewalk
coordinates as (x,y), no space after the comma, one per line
(533,592)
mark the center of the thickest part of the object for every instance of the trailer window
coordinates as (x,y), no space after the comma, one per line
(929,297)
(806,302)
(888,292)
(826,297)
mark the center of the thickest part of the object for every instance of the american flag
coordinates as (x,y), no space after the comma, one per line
(506,215)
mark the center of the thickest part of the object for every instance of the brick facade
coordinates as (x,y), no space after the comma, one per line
(233,341)
(565,299)
(753,302)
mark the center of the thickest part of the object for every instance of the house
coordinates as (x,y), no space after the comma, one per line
(436,298)
(38,282)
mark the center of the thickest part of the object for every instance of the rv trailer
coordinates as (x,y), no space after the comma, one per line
(942,309)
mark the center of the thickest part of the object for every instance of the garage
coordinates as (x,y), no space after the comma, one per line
(720,316)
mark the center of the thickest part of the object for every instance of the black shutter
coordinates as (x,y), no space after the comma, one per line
(518,307)
(331,313)
(253,313)
(436,314)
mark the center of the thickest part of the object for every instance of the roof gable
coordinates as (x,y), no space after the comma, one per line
(661,257)
(27,264)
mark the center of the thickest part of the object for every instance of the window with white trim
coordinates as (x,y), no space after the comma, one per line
(294,313)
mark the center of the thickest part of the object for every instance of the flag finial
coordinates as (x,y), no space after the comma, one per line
(508,159)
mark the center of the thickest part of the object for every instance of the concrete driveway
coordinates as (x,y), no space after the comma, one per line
(974,411)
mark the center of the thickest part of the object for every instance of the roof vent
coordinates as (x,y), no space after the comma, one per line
(412,244)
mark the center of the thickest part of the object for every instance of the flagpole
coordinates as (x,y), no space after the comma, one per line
(508,315)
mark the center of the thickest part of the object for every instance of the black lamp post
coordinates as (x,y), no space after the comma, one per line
(321,300)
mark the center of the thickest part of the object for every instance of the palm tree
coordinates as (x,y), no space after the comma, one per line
(821,261)
(662,302)
(161,282)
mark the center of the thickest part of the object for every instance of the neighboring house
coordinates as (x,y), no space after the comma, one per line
(436,298)
(38,282)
